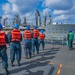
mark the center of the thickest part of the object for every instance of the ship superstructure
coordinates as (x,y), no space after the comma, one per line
(58,31)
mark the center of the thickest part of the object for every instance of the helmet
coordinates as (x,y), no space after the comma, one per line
(1,26)
(35,27)
(16,26)
(42,31)
(27,27)
(70,30)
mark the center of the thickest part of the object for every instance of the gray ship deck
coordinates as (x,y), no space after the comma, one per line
(48,62)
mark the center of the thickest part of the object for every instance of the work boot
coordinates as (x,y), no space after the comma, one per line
(37,52)
(33,53)
(26,57)
(30,56)
(0,58)
(6,71)
(18,63)
(11,64)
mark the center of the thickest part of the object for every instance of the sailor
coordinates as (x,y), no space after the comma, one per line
(8,34)
(70,39)
(41,39)
(3,53)
(32,42)
(35,36)
(27,42)
(15,46)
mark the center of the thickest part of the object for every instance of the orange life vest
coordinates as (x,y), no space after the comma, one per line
(16,35)
(27,34)
(2,39)
(42,36)
(36,33)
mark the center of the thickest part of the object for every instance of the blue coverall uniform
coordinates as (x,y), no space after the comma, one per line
(27,43)
(32,44)
(3,54)
(27,48)
(41,42)
(35,43)
(15,48)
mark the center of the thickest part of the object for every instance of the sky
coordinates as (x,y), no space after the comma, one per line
(61,11)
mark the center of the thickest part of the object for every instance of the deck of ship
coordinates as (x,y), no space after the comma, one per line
(48,62)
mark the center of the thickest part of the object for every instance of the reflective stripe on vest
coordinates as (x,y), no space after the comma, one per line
(36,33)
(2,39)
(42,36)
(16,35)
(27,34)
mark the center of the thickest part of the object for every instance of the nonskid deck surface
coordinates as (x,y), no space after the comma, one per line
(55,59)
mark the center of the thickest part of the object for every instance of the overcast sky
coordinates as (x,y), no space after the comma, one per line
(60,10)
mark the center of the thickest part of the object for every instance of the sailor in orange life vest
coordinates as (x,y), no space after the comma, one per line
(41,40)
(3,53)
(27,42)
(15,46)
(35,36)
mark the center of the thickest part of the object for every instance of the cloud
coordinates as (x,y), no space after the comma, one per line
(61,17)
(15,8)
(72,10)
(59,9)
(21,7)
(5,16)
(58,12)
(46,11)
(30,17)
(25,6)
(66,12)
(6,8)
(58,4)
(10,18)
(12,1)
(62,10)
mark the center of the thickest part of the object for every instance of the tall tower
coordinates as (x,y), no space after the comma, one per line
(17,20)
(50,19)
(13,21)
(25,22)
(0,19)
(4,21)
(39,21)
(37,18)
(45,18)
